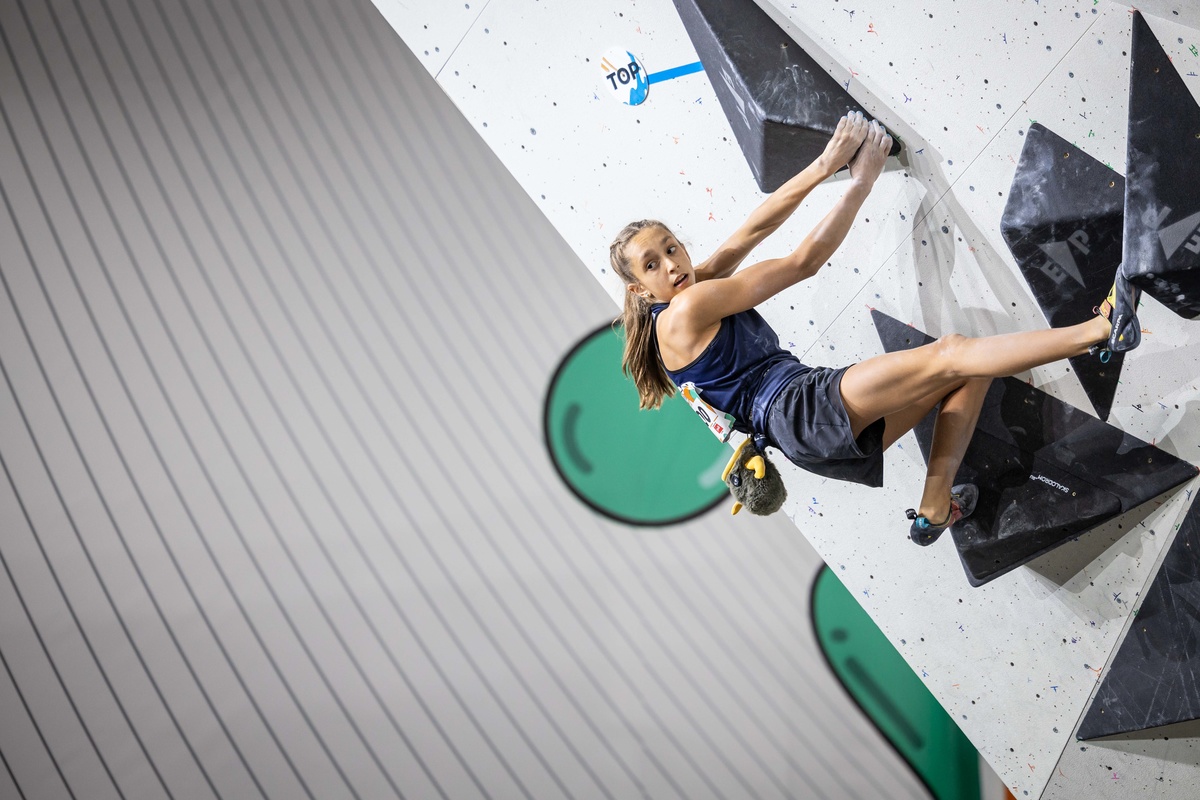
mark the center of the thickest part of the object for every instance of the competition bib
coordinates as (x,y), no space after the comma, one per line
(719,422)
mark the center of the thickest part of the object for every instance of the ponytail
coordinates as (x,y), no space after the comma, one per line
(640,359)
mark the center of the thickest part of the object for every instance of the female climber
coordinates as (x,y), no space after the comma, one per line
(696,323)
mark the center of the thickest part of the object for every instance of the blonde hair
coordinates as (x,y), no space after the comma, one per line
(640,359)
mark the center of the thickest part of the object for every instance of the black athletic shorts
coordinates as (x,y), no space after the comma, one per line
(809,425)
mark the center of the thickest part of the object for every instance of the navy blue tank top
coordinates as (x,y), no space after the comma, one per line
(741,370)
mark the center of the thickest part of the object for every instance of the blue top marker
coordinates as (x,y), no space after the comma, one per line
(675,72)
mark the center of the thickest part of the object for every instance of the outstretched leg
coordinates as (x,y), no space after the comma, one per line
(903,386)
(892,382)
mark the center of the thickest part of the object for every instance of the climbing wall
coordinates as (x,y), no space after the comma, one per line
(1017,660)
(276,516)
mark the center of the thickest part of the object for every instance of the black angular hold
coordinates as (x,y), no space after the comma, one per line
(1046,471)
(1152,678)
(781,104)
(1162,201)
(1063,224)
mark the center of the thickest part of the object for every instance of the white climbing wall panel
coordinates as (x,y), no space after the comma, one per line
(1015,661)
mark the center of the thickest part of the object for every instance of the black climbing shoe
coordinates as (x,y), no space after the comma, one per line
(1120,309)
(962,503)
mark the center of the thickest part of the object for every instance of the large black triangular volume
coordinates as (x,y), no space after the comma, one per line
(1046,471)
(1162,193)
(1063,223)
(781,104)
(1152,679)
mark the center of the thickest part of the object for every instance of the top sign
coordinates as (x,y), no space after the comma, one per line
(624,77)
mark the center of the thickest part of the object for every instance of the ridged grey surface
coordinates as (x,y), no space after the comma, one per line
(257,538)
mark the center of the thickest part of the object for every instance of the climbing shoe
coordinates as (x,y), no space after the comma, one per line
(962,503)
(1120,309)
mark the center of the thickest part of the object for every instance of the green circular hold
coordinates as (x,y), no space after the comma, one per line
(640,467)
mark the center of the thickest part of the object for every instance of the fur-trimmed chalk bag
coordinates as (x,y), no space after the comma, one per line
(753,480)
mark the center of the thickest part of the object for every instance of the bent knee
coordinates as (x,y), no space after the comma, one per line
(948,356)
